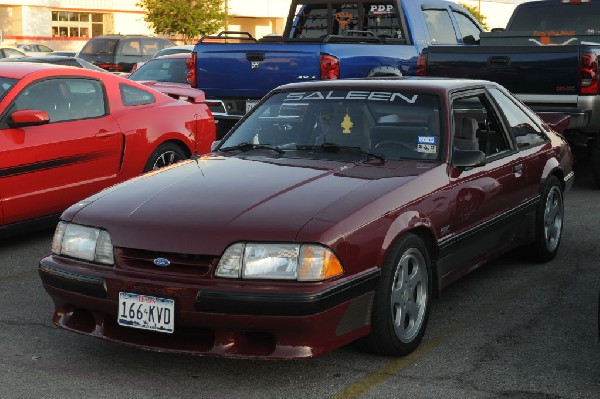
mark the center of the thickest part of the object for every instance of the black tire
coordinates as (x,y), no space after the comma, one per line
(401,305)
(164,155)
(548,222)
(594,153)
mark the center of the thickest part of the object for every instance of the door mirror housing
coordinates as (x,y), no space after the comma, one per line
(28,117)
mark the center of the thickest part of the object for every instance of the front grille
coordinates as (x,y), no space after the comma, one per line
(143,260)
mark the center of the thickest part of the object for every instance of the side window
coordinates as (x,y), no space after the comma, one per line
(64,99)
(131,47)
(526,132)
(150,47)
(466,25)
(41,47)
(133,96)
(476,127)
(440,27)
(10,53)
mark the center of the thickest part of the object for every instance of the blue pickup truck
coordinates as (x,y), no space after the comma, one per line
(324,39)
(548,56)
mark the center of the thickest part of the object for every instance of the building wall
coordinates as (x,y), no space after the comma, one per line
(496,12)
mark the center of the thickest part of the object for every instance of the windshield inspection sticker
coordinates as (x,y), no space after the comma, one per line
(427,144)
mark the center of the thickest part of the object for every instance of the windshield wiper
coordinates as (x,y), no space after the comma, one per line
(332,147)
(249,146)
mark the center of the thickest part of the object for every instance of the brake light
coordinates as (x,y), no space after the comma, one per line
(191,66)
(422,64)
(575,1)
(588,73)
(330,67)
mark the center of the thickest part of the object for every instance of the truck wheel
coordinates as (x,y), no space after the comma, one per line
(402,299)
(166,154)
(548,222)
(595,159)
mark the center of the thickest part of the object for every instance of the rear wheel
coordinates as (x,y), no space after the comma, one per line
(402,299)
(166,154)
(549,221)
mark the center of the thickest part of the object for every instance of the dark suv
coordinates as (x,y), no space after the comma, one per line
(118,53)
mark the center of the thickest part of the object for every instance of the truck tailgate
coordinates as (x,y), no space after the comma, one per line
(521,69)
(251,70)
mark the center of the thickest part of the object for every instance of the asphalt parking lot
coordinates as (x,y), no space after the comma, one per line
(512,329)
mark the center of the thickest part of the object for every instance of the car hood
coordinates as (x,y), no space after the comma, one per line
(203,205)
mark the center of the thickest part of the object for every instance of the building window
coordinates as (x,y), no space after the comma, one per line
(77,24)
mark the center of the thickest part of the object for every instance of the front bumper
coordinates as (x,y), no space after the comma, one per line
(214,320)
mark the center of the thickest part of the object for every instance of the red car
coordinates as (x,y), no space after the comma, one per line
(67,133)
(334,211)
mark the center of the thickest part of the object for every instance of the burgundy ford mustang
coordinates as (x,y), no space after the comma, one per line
(333,211)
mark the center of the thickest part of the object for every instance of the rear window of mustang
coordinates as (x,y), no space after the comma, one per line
(5,85)
(395,124)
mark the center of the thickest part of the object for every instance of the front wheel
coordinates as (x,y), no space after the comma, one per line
(549,221)
(166,154)
(402,299)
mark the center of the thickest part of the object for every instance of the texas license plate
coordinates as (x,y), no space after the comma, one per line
(146,312)
(250,104)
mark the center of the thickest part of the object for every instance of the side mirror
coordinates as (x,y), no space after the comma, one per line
(463,159)
(214,145)
(28,117)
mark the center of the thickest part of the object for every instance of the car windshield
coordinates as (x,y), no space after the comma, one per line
(5,85)
(391,124)
(162,70)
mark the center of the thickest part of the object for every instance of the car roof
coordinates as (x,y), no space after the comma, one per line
(18,70)
(430,84)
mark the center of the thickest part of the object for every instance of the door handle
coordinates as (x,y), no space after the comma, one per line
(105,133)
(518,169)
(498,62)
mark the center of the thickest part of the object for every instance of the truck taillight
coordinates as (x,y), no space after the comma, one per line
(330,67)
(588,73)
(191,66)
(422,64)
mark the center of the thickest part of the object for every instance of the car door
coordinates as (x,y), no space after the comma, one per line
(488,199)
(46,168)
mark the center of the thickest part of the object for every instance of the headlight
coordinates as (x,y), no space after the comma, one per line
(83,242)
(306,262)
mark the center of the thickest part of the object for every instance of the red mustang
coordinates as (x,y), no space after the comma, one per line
(334,211)
(66,133)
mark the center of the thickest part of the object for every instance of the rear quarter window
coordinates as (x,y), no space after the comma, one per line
(133,96)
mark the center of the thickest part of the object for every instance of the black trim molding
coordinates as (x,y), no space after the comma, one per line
(69,281)
(286,304)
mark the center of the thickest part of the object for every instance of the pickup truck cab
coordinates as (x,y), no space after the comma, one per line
(324,39)
(548,56)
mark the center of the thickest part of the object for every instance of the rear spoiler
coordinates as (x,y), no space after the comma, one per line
(556,120)
(177,92)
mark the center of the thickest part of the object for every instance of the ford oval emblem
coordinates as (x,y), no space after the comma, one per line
(162,262)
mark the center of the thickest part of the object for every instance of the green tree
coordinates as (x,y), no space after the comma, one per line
(188,18)
(476,14)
